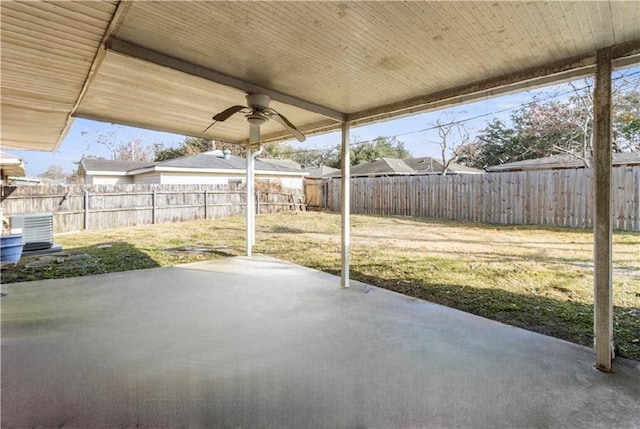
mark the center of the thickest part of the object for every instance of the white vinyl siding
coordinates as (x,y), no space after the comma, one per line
(107,180)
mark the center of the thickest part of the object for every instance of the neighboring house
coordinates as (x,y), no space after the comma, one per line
(384,167)
(556,162)
(10,166)
(108,171)
(380,167)
(428,165)
(213,167)
(322,172)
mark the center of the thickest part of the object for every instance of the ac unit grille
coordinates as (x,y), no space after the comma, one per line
(37,230)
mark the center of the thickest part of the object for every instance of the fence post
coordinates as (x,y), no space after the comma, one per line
(86,209)
(205,203)
(153,207)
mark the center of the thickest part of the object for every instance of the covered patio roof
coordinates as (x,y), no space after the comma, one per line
(172,65)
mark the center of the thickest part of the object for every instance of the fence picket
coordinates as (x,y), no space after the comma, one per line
(548,198)
(96,207)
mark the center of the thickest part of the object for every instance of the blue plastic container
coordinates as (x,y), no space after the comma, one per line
(11,247)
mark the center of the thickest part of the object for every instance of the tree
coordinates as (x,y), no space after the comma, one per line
(494,145)
(193,146)
(380,147)
(53,172)
(388,147)
(551,126)
(304,157)
(453,140)
(132,150)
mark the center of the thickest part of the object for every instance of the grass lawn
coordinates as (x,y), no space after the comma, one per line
(535,278)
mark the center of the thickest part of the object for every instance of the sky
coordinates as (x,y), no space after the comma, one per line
(414,131)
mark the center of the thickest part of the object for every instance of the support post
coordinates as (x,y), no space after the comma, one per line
(346,201)
(250,208)
(603,232)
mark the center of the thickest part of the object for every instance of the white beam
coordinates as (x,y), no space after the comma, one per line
(603,233)
(345,206)
(154,57)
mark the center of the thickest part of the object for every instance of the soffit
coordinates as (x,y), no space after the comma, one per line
(47,52)
(361,59)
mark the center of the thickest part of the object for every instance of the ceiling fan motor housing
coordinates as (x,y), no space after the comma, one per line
(258,100)
(256,118)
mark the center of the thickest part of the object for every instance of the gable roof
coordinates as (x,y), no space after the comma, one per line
(289,163)
(380,167)
(429,165)
(561,161)
(322,171)
(213,160)
(110,165)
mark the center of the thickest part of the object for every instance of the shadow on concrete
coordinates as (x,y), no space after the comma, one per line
(568,320)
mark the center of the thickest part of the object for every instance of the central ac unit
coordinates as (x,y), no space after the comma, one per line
(37,230)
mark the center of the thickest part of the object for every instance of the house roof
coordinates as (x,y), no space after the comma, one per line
(213,160)
(176,64)
(322,171)
(380,167)
(561,161)
(110,165)
(413,166)
(289,163)
(429,165)
(11,165)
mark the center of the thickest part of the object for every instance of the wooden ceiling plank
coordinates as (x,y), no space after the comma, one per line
(129,49)
(536,76)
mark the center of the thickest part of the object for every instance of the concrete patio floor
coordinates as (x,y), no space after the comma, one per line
(257,342)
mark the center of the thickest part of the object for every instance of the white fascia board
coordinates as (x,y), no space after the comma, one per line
(282,173)
(106,173)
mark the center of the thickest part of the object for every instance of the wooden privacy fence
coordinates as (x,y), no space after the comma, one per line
(549,198)
(96,207)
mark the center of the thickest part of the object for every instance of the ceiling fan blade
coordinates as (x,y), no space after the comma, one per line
(226,113)
(207,129)
(288,125)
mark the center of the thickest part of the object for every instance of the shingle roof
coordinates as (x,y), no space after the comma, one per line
(213,160)
(380,167)
(289,163)
(393,166)
(427,164)
(216,161)
(560,161)
(322,171)
(90,164)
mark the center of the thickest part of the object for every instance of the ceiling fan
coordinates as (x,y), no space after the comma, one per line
(257,112)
